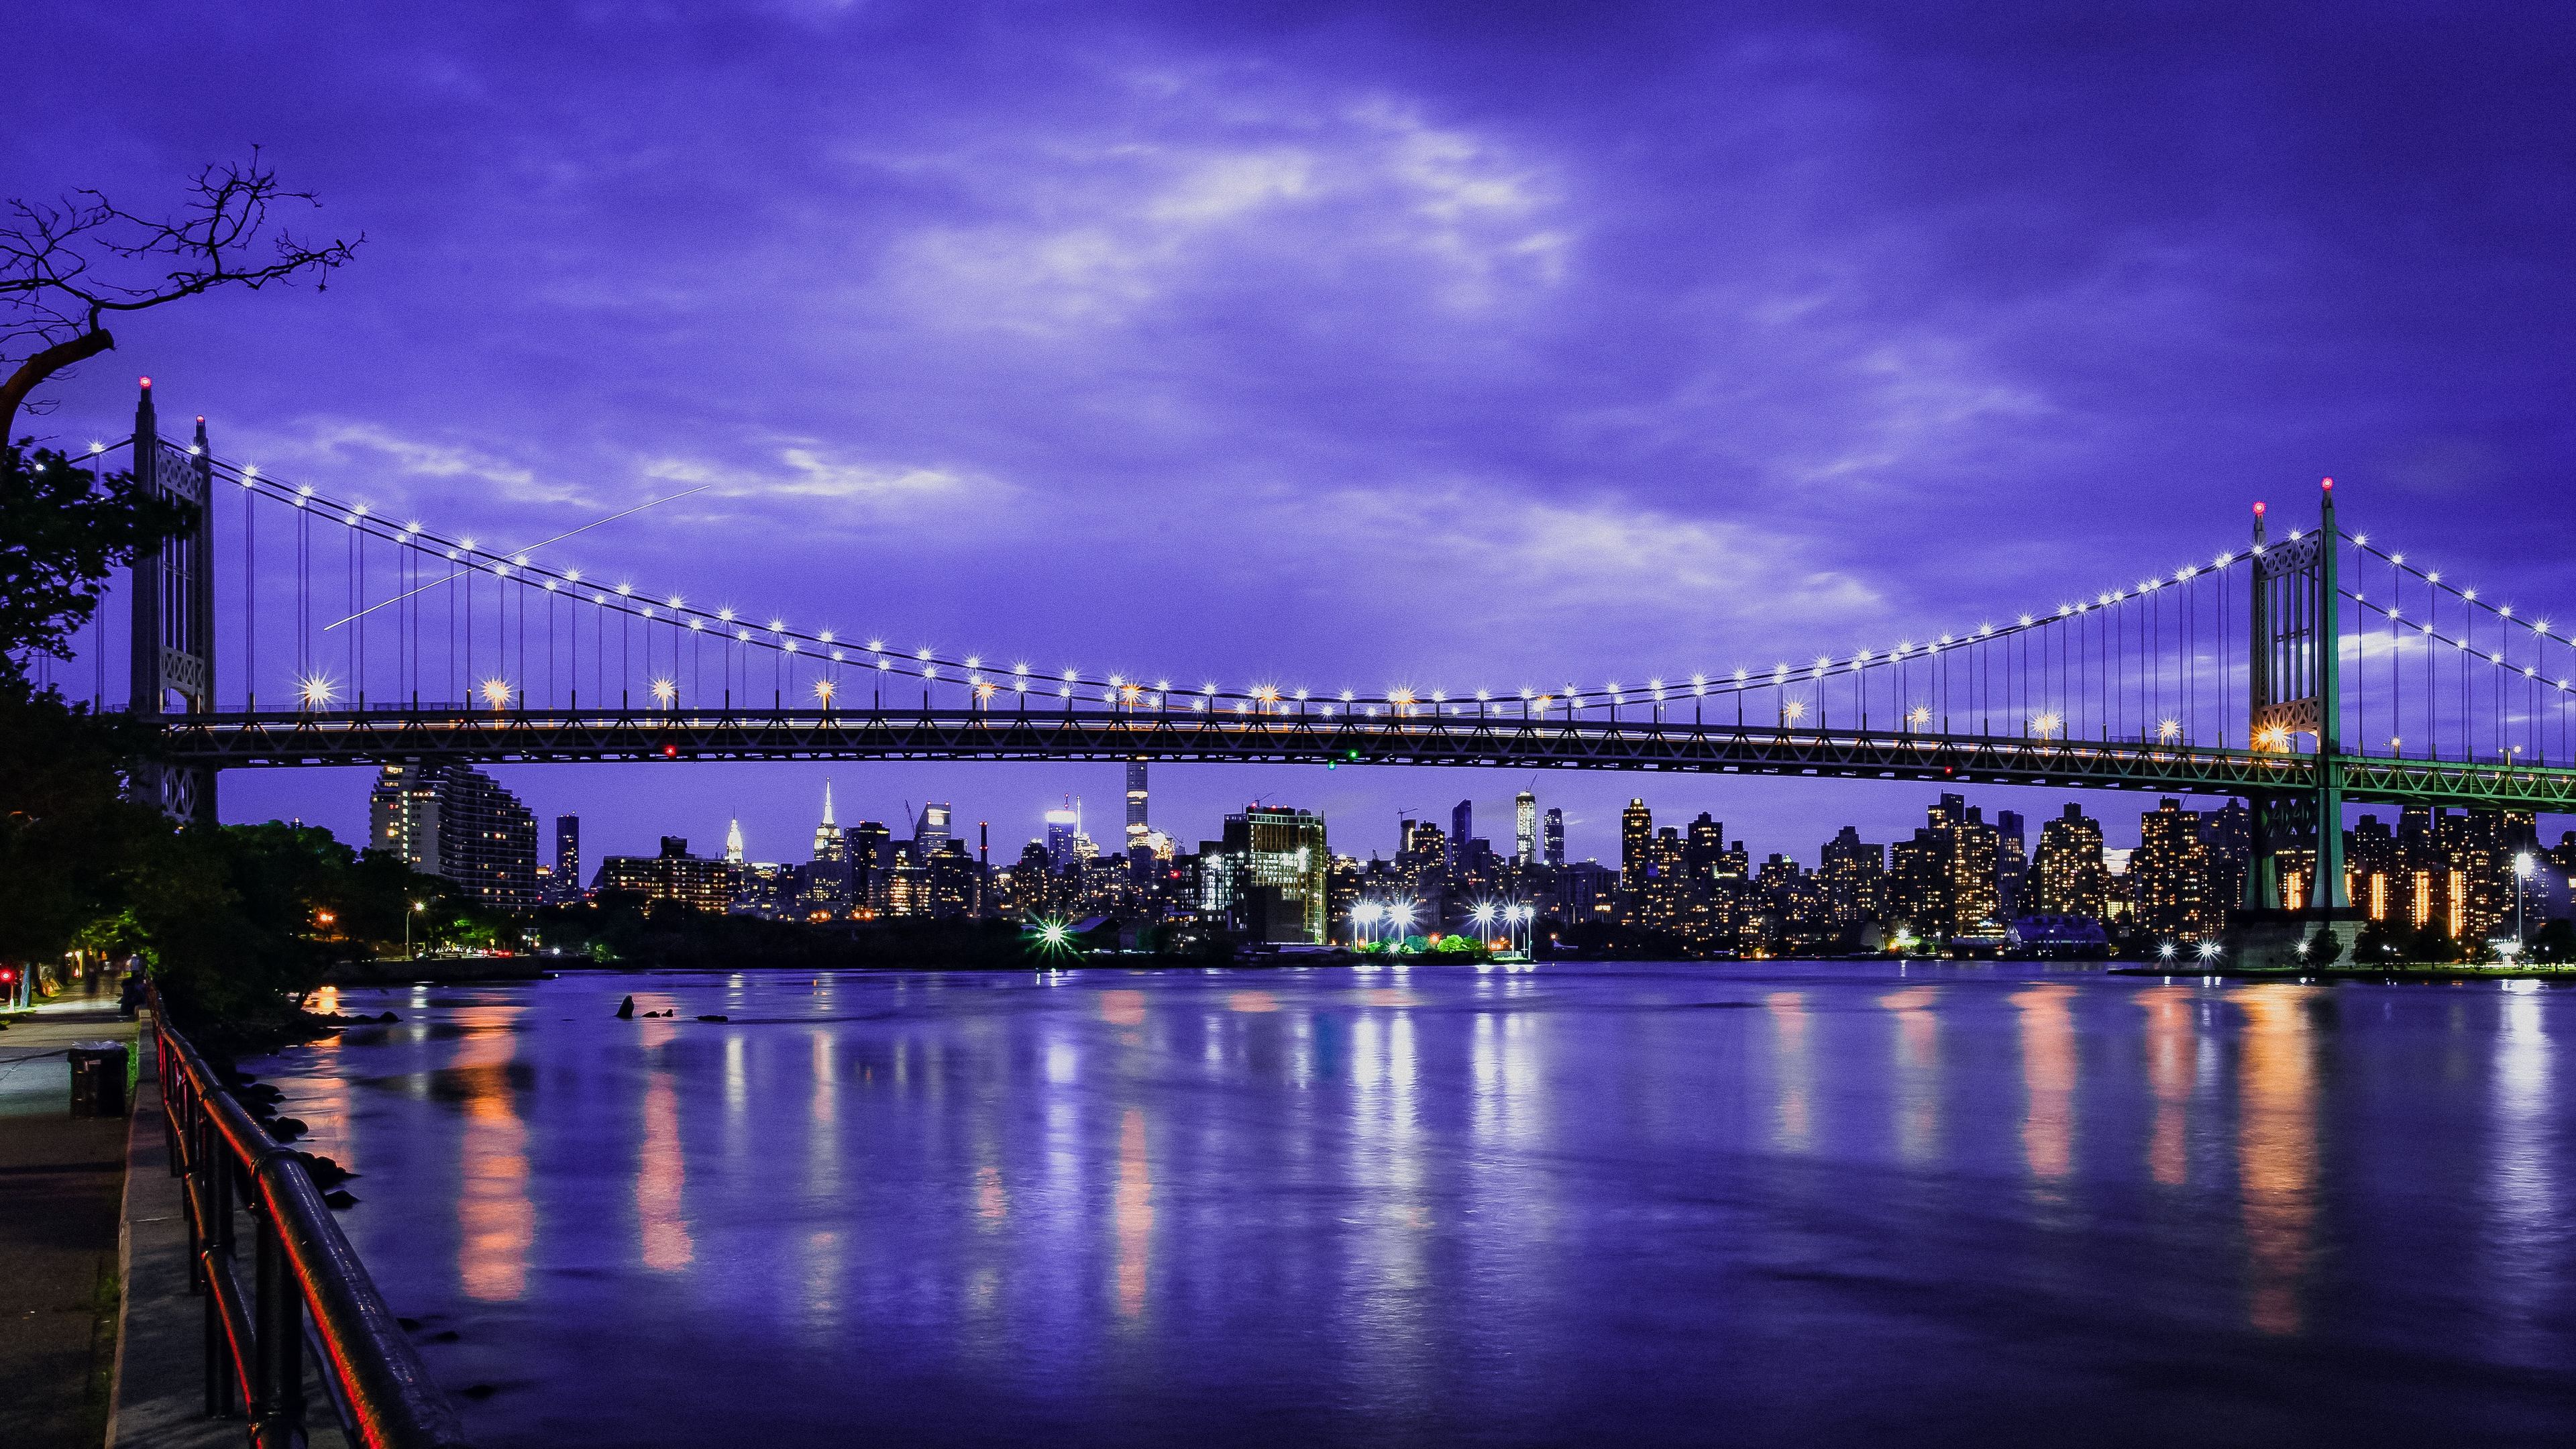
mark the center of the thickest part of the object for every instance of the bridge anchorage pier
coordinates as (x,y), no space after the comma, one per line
(2294,687)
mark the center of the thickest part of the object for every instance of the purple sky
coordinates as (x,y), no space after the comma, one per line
(1464,345)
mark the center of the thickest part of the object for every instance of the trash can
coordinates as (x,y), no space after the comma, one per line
(98,1079)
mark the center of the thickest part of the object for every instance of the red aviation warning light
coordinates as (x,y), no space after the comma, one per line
(2328,485)
(2258,508)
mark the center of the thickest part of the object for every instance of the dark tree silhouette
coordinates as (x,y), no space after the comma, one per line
(65,269)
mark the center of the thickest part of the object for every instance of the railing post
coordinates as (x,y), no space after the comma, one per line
(278,1311)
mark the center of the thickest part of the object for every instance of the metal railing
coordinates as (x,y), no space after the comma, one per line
(307,1289)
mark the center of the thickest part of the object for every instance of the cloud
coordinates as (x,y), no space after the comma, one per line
(455,487)
(805,473)
(1096,230)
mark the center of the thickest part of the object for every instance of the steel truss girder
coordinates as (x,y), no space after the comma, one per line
(231,741)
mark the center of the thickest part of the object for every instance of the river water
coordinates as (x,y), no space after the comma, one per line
(1769,1203)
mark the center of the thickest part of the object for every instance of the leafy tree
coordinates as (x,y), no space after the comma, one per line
(63,531)
(2554,942)
(2381,943)
(2322,949)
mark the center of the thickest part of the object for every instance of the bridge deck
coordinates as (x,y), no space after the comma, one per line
(354,737)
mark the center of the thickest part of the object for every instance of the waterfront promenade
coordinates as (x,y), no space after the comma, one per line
(62,1182)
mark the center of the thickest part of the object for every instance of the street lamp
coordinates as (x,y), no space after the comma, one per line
(416,908)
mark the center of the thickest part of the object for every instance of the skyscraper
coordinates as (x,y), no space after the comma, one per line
(1555,846)
(1525,828)
(2012,860)
(733,842)
(1140,851)
(1062,827)
(828,844)
(930,832)
(1462,828)
(567,882)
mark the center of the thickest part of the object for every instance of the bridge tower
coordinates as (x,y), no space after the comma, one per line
(173,642)
(2294,686)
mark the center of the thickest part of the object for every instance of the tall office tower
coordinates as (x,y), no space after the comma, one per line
(2012,860)
(1140,850)
(1279,870)
(455,821)
(1462,828)
(828,843)
(1062,826)
(567,857)
(931,831)
(1555,846)
(1525,828)
(733,842)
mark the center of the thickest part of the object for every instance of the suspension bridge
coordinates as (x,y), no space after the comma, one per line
(2300,671)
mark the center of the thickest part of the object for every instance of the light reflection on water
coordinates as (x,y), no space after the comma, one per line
(1774,1203)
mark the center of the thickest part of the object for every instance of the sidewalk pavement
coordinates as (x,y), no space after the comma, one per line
(62,1179)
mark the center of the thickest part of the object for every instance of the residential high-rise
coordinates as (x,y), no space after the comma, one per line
(2228,831)
(1555,838)
(1525,829)
(1943,881)
(1462,828)
(567,881)
(2169,875)
(2372,867)
(455,821)
(1854,875)
(1636,845)
(2067,876)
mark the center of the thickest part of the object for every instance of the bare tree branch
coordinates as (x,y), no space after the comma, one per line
(66,267)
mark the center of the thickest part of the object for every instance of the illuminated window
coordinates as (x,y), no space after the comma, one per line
(2423,898)
(2459,901)
(2378,896)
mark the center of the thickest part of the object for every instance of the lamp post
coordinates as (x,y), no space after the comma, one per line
(416,908)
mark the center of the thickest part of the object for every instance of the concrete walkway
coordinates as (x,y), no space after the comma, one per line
(160,1367)
(62,1181)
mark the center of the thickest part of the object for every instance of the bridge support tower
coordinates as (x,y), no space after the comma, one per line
(173,642)
(2294,684)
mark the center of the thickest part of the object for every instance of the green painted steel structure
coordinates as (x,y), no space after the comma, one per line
(305,738)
